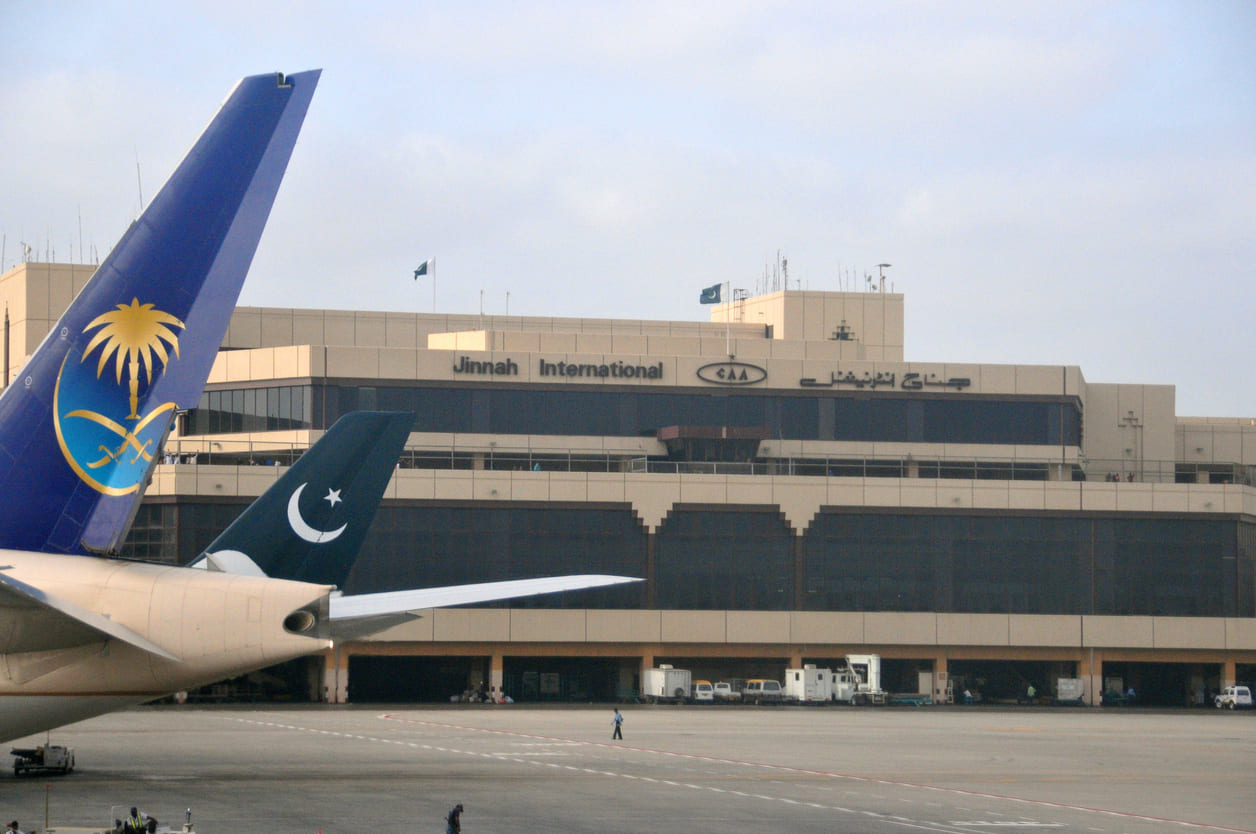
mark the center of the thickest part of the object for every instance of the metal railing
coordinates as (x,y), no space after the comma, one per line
(264,453)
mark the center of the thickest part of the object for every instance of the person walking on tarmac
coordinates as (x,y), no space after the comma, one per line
(617,721)
(453,820)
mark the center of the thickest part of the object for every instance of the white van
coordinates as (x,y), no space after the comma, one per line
(1235,697)
(703,692)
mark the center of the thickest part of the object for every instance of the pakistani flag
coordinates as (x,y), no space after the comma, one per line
(711,295)
(425,267)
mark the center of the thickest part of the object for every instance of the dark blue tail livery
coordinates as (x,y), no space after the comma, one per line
(309,526)
(82,424)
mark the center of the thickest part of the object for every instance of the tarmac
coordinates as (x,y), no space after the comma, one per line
(517,768)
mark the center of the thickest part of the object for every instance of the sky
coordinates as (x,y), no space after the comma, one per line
(1056,183)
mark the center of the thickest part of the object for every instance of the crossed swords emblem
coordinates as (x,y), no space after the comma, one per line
(132,334)
(130,439)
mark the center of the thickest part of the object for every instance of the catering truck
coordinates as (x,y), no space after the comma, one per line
(809,685)
(865,672)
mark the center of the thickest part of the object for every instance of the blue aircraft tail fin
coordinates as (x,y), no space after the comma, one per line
(310,524)
(82,424)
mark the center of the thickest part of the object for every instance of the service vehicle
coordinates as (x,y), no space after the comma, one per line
(760,691)
(865,669)
(845,685)
(1234,697)
(809,685)
(703,692)
(46,758)
(725,691)
(116,824)
(666,683)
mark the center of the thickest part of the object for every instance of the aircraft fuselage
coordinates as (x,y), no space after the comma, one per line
(83,635)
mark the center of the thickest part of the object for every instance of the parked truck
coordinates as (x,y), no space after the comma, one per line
(666,684)
(845,685)
(865,674)
(809,685)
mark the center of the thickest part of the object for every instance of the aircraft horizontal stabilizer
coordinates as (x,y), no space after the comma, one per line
(62,624)
(362,614)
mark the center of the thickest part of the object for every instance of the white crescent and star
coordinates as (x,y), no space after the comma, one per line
(304,530)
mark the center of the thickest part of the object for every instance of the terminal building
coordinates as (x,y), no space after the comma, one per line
(790,486)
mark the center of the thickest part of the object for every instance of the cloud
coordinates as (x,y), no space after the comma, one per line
(1051,181)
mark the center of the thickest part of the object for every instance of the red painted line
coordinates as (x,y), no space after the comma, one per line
(1044,803)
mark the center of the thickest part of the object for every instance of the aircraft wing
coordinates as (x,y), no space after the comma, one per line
(362,614)
(33,620)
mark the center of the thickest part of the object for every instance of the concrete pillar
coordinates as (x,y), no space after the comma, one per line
(1228,673)
(795,660)
(496,673)
(941,678)
(335,676)
(913,468)
(314,679)
(1090,670)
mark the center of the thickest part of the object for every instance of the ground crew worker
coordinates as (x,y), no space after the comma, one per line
(453,820)
(139,823)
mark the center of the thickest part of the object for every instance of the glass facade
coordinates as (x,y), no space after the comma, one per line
(1024,565)
(748,559)
(725,560)
(634,413)
(435,545)
(253,409)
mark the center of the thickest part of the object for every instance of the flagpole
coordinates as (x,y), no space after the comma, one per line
(728,314)
(433,285)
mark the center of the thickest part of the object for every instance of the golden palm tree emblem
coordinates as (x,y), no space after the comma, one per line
(133,333)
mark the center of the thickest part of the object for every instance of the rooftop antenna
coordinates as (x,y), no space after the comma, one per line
(883,268)
(139,183)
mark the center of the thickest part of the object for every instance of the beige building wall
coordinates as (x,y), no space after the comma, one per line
(871,321)
(1131,429)
(34,295)
(1216,439)
(821,632)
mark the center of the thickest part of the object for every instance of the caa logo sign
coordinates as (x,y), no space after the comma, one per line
(732,373)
